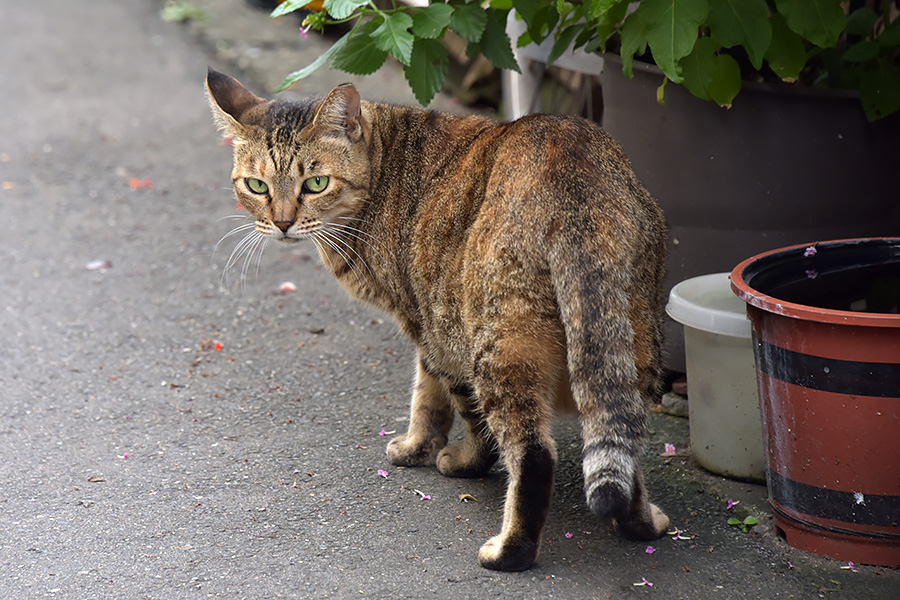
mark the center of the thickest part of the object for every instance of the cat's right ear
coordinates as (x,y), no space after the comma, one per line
(229,101)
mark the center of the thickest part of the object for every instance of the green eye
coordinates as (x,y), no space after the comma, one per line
(256,186)
(316,184)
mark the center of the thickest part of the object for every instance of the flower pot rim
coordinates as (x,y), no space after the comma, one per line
(766,87)
(771,304)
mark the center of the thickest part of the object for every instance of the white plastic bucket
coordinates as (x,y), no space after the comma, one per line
(723,406)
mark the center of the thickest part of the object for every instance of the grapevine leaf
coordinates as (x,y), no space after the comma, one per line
(563,41)
(710,76)
(819,21)
(427,69)
(634,42)
(599,7)
(289,6)
(864,51)
(671,29)
(342,9)
(742,23)
(360,55)
(468,21)
(879,90)
(393,36)
(786,54)
(431,21)
(495,44)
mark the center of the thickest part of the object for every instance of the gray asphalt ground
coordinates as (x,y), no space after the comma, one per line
(164,438)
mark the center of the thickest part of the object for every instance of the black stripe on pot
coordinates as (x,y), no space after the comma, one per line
(848,507)
(827,374)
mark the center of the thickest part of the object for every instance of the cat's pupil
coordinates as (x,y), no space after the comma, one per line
(316,184)
(256,186)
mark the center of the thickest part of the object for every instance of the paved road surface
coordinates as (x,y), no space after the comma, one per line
(163,439)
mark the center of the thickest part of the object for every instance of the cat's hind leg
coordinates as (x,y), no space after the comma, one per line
(431,416)
(516,381)
(477,453)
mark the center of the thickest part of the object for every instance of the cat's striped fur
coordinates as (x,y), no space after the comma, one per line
(523,259)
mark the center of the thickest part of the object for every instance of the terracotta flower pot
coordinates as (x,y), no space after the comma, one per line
(826,337)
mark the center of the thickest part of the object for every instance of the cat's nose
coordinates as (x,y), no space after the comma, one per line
(283,225)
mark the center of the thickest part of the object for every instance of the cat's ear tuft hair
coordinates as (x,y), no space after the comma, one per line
(229,100)
(340,113)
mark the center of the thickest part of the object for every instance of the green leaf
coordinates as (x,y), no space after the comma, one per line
(727,82)
(750,521)
(861,22)
(699,69)
(786,54)
(495,44)
(634,41)
(563,41)
(599,7)
(879,90)
(671,29)
(890,37)
(734,521)
(501,4)
(308,70)
(288,7)
(341,9)
(864,51)
(710,76)
(431,21)
(819,21)
(360,55)
(540,17)
(427,69)
(393,36)
(741,23)
(468,22)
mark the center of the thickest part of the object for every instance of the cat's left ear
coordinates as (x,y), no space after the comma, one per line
(230,101)
(340,113)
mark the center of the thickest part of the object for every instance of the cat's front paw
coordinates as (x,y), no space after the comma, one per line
(406,451)
(501,554)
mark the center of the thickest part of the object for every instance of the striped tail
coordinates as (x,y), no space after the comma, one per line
(595,297)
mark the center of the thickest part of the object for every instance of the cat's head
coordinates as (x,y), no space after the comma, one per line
(298,166)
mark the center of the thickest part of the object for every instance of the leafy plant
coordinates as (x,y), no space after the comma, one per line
(708,46)
(744,525)
(182,12)
(412,36)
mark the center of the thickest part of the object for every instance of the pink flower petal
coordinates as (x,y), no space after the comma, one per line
(568,535)
(382,472)
(96,265)
(650,550)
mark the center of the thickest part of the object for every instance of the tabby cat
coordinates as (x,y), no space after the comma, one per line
(524,260)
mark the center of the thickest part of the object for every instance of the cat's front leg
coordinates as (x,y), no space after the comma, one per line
(430,419)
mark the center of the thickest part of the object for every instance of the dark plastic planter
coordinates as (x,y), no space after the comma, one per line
(826,337)
(782,166)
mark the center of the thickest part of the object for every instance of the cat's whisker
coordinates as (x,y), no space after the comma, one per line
(234,231)
(321,234)
(336,236)
(347,229)
(233,217)
(334,245)
(240,250)
(321,250)
(258,245)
